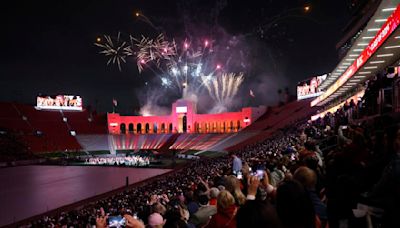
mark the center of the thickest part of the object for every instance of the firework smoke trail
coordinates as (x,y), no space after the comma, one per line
(223,88)
(146,20)
(237,82)
(216,90)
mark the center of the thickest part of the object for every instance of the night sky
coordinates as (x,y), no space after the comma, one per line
(48,46)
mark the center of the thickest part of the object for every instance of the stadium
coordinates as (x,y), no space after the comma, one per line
(329,158)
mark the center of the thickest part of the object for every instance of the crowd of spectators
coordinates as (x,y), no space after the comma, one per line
(132,160)
(316,174)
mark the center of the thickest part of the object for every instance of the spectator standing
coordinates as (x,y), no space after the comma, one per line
(236,164)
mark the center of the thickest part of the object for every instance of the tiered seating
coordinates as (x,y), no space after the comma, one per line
(277,114)
(157,141)
(98,142)
(11,120)
(197,141)
(280,117)
(55,134)
(79,122)
(137,142)
(232,140)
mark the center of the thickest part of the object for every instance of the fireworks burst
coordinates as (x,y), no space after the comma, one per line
(223,88)
(153,50)
(182,65)
(187,68)
(116,50)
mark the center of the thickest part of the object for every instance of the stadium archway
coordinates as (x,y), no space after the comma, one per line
(139,128)
(130,128)
(122,127)
(155,127)
(184,123)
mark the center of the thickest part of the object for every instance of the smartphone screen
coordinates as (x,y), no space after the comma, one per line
(259,173)
(239,175)
(116,221)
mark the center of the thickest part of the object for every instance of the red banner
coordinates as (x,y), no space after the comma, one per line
(386,30)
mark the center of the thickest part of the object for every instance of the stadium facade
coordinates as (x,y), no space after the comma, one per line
(184,119)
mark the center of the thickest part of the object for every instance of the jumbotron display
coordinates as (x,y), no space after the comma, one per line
(59,102)
(309,88)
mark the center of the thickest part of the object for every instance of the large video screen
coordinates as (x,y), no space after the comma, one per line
(310,87)
(59,102)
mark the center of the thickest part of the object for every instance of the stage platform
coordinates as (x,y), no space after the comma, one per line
(26,191)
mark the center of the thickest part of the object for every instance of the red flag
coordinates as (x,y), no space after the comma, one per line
(252,94)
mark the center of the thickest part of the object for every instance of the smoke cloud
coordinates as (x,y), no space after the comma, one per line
(235,52)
